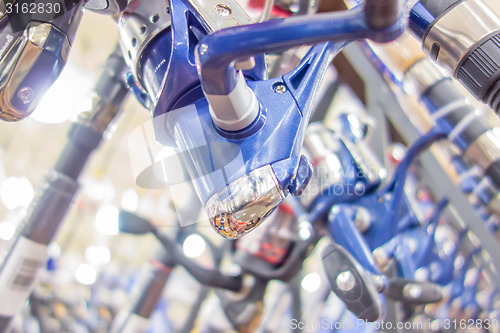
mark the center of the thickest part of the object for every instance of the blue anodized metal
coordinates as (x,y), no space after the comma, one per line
(393,225)
(277,142)
(285,115)
(344,232)
(420,20)
(218,51)
(172,58)
(388,203)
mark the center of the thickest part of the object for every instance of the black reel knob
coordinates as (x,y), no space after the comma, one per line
(351,283)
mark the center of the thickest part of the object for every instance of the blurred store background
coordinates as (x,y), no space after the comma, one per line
(93,268)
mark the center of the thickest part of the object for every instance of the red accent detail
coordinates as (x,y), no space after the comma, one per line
(133,6)
(317,160)
(393,160)
(285,208)
(159,265)
(277,11)
(270,259)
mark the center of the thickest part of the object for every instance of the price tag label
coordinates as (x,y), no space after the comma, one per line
(19,274)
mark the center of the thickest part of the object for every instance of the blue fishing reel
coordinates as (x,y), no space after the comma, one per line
(35,42)
(237,133)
